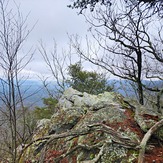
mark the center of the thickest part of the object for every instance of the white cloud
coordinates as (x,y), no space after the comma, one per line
(55,20)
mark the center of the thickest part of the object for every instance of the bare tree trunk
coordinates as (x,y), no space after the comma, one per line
(158,101)
(13,33)
(140,92)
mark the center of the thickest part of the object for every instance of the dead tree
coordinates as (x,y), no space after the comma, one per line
(57,64)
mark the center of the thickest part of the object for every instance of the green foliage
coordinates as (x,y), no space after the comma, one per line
(85,81)
(50,103)
(47,111)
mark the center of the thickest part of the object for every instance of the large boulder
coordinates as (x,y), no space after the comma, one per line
(91,128)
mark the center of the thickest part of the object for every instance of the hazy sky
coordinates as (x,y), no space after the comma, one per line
(54,21)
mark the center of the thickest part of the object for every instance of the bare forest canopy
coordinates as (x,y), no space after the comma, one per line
(156,5)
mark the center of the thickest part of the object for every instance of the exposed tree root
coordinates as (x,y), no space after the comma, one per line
(146,138)
(53,137)
(115,137)
(86,147)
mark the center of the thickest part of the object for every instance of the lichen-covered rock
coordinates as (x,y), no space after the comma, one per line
(42,128)
(91,128)
(146,117)
(73,98)
(65,120)
(117,154)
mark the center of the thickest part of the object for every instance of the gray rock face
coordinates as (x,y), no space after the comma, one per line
(146,117)
(100,128)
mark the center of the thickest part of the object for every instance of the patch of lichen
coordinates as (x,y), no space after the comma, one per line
(87,154)
(28,155)
(159,133)
(115,153)
(132,155)
(30,152)
(92,138)
(88,140)
(43,132)
(59,117)
(119,97)
(65,116)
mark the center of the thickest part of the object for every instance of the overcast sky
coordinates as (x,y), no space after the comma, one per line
(54,21)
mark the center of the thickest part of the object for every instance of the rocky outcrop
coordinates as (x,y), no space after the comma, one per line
(103,128)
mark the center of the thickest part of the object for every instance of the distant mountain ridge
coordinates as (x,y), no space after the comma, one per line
(35,90)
